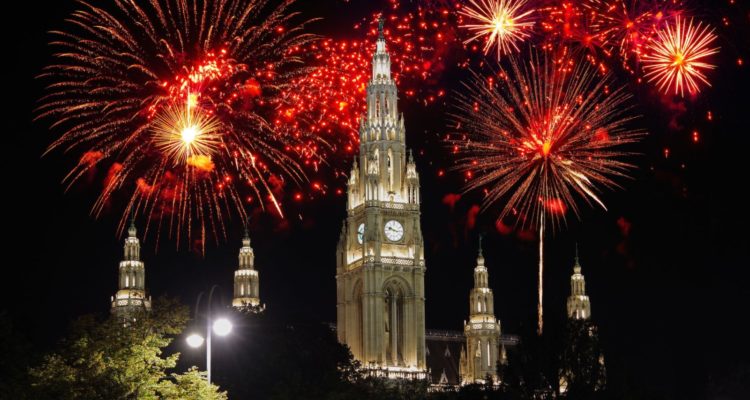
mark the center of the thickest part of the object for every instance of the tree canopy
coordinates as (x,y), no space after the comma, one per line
(113,359)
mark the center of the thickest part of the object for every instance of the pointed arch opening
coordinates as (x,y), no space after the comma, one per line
(395,322)
(390,170)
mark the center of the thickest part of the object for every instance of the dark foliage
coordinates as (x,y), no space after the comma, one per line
(581,370)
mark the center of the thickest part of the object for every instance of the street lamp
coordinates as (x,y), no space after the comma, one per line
(195,340)
(221,326)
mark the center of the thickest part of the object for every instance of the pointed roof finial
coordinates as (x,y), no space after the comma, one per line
(246,237)
(411,160)
(381,24)
(577,266)
(480,244)
(131,229)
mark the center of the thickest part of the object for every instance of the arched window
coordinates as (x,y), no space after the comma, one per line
(394,324)
(389,166)
(489,361)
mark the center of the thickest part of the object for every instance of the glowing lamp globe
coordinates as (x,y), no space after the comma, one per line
(222,327)
(195,340)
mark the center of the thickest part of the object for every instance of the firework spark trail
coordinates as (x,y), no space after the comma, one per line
(540,283)
(538,137)
(676,60)
(500,23)
(122,77)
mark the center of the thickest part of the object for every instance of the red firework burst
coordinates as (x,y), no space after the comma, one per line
(180,99)
(539,135)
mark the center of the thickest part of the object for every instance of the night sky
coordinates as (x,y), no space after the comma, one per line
(666,266)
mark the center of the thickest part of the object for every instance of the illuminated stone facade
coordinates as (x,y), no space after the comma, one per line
(483,347)
(246,285)
(131,296)
(380,256)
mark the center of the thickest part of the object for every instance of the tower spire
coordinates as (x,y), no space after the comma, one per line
(131,293)
(381,24)
(246,285)
(480,245)
(579,305)
(131,229)
(381,61)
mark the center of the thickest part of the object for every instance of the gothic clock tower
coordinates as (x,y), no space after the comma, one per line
(380,257)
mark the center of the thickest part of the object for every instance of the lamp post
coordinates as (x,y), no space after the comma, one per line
(222,327)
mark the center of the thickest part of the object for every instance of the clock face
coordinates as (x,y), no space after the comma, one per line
(394,231)
(361,233)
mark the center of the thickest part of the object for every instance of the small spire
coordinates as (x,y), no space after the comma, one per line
(246,237)
(577,266)
(480,245)
(381,24)
(131,229)
(411,161)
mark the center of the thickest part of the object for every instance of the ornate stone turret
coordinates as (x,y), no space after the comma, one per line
(412,181)
(482,331)
(246,285)
(579,306)
(131,296)
(380,256)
